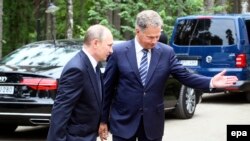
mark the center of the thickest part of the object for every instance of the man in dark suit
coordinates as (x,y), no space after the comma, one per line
(77,109)
(134,87)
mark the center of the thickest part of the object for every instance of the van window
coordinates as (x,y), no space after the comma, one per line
(205,32)
(247,22)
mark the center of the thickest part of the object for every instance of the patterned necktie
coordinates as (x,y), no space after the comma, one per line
(98,77)
(143,70)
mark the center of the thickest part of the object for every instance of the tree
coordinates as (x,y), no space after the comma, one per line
(1,26)
(38,19)
(208,6)
(70,20)
(18,24)
(51,20)
(25,21)
(126,10)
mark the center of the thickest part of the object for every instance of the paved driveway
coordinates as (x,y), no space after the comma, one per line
(208,124)
(210,120)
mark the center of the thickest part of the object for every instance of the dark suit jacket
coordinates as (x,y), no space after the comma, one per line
(77,109)
(130,100)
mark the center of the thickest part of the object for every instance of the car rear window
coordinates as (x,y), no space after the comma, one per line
(205,32)
(41,55)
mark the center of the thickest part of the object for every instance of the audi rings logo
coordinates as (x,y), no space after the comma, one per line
(3,78)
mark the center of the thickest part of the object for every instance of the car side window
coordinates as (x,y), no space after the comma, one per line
(205,32)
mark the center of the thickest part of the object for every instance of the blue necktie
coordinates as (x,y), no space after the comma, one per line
(143,69)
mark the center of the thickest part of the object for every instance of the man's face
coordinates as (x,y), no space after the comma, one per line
(105,47)
(148,37)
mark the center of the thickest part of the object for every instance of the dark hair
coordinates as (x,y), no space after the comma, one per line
(163,38)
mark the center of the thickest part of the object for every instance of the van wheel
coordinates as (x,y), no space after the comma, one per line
(186,103)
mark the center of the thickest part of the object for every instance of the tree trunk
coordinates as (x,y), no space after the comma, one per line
(221,3)
(208,6)
(53,26)
(38,20)
(244,6)
(114,17)
(180,10)
(1,27)
(48,22)
(70,20)
(236,6)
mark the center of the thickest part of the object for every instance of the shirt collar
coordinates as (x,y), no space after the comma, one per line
(91,58)
(138,47)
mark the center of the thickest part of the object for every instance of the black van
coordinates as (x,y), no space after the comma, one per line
(207,44)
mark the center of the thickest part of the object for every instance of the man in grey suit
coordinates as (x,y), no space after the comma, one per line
(77,109)
(134,81)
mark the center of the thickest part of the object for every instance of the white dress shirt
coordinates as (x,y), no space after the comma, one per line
(91,58)
(139,53)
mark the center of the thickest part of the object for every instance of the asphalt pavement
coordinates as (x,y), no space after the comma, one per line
(209,123)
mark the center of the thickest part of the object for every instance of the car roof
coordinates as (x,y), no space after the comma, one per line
(232,16)
(62,42)
(59,42)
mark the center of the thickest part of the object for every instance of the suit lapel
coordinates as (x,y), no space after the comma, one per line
(155,55)
(131,57)
(92,75)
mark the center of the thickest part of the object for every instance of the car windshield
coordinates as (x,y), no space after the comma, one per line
(205,32)
(42,54)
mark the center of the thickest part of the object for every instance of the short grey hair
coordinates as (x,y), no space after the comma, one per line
(148,18)
(95,32)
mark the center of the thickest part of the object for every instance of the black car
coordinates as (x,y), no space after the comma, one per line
(29,79)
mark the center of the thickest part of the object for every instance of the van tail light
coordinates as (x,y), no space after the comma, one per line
(40,83)
(241,61)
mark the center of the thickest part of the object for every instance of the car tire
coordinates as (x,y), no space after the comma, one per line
(7,128)
(198,94)
(248,97)
(186,103)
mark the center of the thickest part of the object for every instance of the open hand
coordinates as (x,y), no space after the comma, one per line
(222,81)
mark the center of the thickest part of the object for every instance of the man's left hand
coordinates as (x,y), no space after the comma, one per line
(222,81)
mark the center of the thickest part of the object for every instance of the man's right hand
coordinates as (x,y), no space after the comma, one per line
(103,131)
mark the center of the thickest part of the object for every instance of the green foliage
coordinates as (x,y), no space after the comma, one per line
(19,19)
(81,23)
(81,31)
(168,9)
(17,25)
(61,19)
(98,14)
(218,9)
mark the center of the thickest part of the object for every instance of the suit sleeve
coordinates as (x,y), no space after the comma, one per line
(186,77)
(68,93)
(110,81)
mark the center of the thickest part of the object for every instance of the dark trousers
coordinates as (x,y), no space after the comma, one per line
(139,135)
